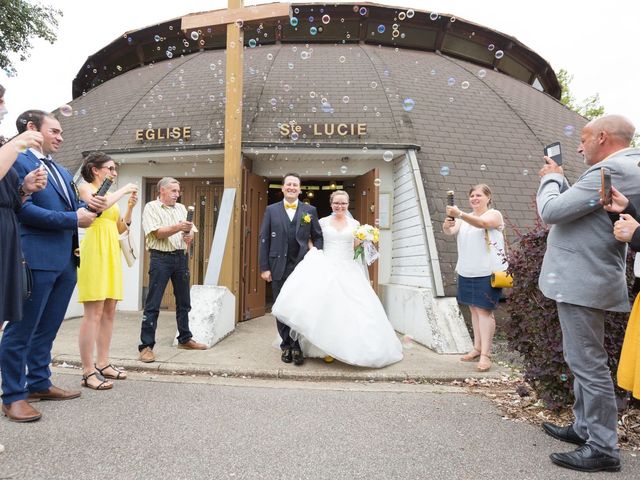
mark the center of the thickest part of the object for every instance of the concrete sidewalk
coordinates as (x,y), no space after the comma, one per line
(249,352)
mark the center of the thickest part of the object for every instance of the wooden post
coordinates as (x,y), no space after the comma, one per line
(233,18)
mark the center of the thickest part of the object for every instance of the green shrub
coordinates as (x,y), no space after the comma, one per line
(533,329)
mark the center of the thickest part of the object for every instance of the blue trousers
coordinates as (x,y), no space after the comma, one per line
(162,268)
(25,350)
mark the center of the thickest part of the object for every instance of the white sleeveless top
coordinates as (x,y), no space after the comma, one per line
(476,256)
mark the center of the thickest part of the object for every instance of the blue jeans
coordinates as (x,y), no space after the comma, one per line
(162,267)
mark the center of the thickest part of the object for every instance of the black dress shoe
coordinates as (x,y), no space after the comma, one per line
(566,434)
(298,358)
(286,355)
(586,459)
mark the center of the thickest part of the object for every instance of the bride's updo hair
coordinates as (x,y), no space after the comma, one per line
(336,193)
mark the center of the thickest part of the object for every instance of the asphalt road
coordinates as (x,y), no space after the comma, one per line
(164,427)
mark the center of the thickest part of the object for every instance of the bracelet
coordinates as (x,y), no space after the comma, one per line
(22,192)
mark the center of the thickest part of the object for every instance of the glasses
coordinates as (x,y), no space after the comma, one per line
(340,203)
(111,169)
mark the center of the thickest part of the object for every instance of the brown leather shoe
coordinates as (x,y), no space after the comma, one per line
(146,355)
(21,411)
(191,344)
(54,393)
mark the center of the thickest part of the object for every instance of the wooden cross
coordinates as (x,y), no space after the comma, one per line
(234,18)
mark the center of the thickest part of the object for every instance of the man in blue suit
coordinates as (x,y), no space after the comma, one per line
(287,228)
(49,222)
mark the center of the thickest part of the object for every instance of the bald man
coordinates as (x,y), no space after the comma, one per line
(583,271)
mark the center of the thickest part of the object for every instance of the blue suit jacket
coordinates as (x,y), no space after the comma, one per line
(48,222)
(274,245)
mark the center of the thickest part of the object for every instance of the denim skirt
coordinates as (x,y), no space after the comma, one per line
(478,292)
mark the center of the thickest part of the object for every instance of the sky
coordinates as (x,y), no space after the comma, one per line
(596,43)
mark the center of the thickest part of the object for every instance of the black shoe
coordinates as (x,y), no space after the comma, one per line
(586,459)
(286,355)
(566,434)
(298,358)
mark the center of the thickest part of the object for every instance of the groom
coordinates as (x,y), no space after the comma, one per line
(286,229)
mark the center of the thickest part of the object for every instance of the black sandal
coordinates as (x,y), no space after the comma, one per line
(103,385)
(121,374)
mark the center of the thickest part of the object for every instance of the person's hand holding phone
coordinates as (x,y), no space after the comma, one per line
(618,203)
(550,167)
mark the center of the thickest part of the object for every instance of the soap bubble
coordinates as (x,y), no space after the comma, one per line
(273,234)
(444,170)
(373,84)
(491,47)
(326,19)
(252,43)
(482,73)
(269,56)
(273,102)
(169,54)
(410,13)
(525,172)
(363,11)
(194,35)
(433,16)
(290,66)
(387,156)
(313,30)
(342,59)
(345,99)
(464,85)
(451,81)
(294,136)
(569,130)
(552,278)
(304,55)
(157,38)
(563,377)
(408,104)
(344,169)
(66,110)
(381,28)
(293,21)
(401,16)
(377,182)
(483,167)
(499,54)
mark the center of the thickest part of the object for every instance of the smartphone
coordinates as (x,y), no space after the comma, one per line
(554,152)
(605,188)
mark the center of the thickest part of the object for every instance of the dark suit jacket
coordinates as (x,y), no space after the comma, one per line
(274,234)
(48,222)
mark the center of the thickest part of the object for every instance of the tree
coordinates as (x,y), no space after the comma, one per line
(589,108)
(20,22)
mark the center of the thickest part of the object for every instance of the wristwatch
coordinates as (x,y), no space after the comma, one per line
(22,192)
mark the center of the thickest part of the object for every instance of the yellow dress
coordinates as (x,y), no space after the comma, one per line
(100,271)
(629,365)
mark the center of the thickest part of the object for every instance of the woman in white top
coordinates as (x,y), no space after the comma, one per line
(480,253)
(340,315)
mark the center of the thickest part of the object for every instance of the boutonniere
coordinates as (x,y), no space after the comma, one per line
(305,220)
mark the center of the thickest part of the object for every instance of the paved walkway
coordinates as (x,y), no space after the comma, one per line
(249,352)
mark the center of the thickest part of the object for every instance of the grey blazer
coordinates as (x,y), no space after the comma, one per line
(584,264)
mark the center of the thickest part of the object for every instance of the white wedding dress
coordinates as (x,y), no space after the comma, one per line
(330,305)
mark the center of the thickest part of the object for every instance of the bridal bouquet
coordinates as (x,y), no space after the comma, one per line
(368,235)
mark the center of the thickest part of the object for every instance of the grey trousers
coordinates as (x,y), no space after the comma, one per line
(595,407)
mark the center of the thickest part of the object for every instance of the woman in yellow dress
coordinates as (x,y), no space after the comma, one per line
(100,272)
(626,229)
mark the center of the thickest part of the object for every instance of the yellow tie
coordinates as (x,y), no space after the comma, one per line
(292,206)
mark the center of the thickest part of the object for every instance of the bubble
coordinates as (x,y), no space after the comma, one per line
(194,36)
(593,202)
(408,104)
(483,167)
(381,28)
(499,54)
(239,23)
(66,110)
(342,59)
(569,130)
(311,19)
(491,47)
(410,13)
(433,16)
(345,99)
(293,21)
(451,99)
(95,129)
(273,234)
(452,19)
(525,172)
(373,84)
(344,169)
(552,278)
(402,16)
(451,81)
(252,43)
(395,34)
(157,38)
(433,71)
(407,342)
(273,102)
(212,66)
(377,182)
(387,156)
(326,107)
(290,66)
(464,85)
(563,377)
(304,55)
(326,19)
(313,30)
(119,68)
(559,298)
(294,136)
(312,94)
(363,11)
(482,73)
(444,170)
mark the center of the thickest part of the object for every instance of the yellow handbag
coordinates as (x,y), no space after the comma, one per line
(501,280)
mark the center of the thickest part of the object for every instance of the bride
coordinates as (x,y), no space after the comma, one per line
(340,316)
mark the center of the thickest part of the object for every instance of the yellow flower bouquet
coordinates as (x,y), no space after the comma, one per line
(368,235)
